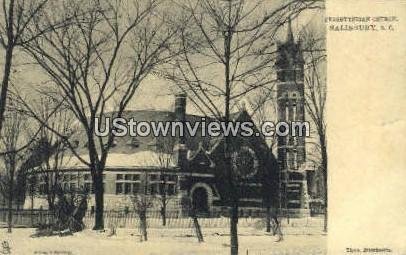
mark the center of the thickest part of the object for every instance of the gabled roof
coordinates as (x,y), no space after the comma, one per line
(124,144)
(141,159)
(127,150)
(202,157)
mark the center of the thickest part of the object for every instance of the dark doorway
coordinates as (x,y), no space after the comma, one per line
(200,200)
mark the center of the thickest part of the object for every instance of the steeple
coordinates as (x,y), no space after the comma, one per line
(289,36)
(290,104)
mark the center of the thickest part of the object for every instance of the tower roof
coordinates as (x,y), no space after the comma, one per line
(289,36)
(289,51)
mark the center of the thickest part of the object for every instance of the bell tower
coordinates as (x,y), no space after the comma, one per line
(290,103)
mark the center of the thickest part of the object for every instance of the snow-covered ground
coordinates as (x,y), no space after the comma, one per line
(161,242)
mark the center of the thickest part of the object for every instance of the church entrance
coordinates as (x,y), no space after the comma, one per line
(200,201)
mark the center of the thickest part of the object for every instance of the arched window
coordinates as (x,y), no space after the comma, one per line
(294,114)
(294,160)
(287,111)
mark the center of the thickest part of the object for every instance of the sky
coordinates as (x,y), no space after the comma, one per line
(154,92)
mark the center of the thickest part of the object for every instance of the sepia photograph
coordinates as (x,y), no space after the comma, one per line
(174,127)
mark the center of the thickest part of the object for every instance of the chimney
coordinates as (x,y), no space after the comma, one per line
(179,149)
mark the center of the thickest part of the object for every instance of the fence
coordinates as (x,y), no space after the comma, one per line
(27,218)
(123,219)
(154,220)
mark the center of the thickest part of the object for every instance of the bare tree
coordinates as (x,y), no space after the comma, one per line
(70,210)
(165,160)
(315,99)
(228,52)
(263,109)
(11,137)
(97,63)
(141,202)
(17,17)
(192,210)
(52,151)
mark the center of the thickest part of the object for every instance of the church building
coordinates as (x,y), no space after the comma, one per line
(184,167)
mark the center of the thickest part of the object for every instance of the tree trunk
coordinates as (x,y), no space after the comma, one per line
(325,200)
(193,216)
(163,213)
(99,201)
(277,228)
(268,219)
(234,196)
(196,225)
(8,61)
(10,205)
(233,229)
(323,146)
(32,208)
(143,225)
(50,196)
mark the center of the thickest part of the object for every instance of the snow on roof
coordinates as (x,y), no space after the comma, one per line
(139,159)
